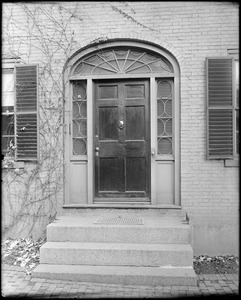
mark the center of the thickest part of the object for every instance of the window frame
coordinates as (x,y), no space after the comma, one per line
(15,161)
(10,68)
(9,64)
(234,162)
(75,156)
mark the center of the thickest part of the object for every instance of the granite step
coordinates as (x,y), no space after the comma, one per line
(116,254)
(168,230)
(124,275)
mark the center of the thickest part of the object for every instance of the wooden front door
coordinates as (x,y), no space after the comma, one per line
(122,140)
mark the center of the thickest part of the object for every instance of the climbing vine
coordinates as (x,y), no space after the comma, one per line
(129,17)
(44,33)
(30,192)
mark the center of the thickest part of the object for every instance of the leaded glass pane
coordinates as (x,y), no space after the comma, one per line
(79,91)
(139,68)
(79,147)
(123,60)
(164,116)
(164,89)
(165,146)
(107,54)
(83,109)
(168,127)
(160,108)
(80,109)
(160,127)
(168,108)
(79,128)
(79,118)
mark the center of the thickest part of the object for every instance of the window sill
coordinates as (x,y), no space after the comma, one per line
(231,162)
(12,165)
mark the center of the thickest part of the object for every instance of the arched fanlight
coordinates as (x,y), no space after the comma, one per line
(122,61)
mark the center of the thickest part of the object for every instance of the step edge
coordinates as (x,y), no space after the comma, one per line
(116,270)
(129,246)
(102,268)
(184,276)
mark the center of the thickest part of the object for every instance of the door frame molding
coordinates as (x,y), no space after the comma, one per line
(89,159)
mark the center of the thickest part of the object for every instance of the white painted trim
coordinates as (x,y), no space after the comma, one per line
(67,140)
(123,76)
(153,128)
(90,136)
(177,148)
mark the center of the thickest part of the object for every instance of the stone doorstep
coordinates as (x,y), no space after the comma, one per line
(117,254)
(82,248)
(146,276)
(168,233)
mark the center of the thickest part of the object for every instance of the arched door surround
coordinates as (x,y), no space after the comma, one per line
(122,126)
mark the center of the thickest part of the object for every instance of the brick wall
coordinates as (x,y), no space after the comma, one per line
(191,31)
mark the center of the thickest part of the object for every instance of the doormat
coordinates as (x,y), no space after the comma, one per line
(120,221)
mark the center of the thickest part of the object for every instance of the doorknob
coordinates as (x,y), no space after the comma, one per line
(153,152)
(121,124)
(97,149)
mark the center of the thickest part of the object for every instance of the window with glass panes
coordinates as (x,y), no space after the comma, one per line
(20,112)
(8,132)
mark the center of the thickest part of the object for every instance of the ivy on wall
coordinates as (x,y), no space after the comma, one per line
(43,33)
(30,192)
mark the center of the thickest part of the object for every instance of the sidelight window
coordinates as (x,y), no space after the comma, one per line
(79,118)
(164,116)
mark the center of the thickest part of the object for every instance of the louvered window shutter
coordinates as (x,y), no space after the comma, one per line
(26,112)
(220,113)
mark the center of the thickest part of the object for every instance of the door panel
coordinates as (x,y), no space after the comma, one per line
(122,139)
(135,123)
(135,174)
(135,91)
(108,117)
(109,173)
(108,92)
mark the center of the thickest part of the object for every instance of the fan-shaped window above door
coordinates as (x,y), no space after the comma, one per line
(122,60)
